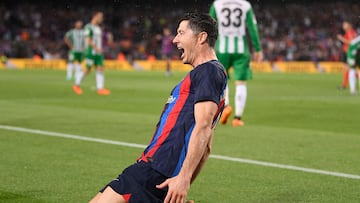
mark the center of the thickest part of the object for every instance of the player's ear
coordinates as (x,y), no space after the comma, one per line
(203,37)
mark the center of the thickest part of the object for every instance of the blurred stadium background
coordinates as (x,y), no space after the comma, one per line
(295,119)
(290,30)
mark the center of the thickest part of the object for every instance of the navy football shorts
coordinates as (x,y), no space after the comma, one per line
(137,183)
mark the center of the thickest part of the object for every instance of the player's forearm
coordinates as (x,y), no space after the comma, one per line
(346,41)
(198,146)
(253,31)
(201,163)
(340,38)
(68,43)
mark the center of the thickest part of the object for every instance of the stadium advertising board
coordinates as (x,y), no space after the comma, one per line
(177,65)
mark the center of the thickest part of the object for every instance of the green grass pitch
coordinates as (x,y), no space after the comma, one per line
(294,119)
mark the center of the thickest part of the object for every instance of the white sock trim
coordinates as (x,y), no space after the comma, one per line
(226,95)
(240,99)
(352,80)
(99,80)
(69,70)
(79,74)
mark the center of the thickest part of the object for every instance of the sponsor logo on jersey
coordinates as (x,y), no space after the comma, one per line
(171,99)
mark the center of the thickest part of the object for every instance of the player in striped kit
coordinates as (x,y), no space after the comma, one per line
(349,35)
(353,60)
(93,55)
(232,49)
(181,143)
(74,39)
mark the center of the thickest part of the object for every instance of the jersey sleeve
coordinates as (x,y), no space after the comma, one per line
(212,12)
(253,29)
(68,34)
(88,32)
(209,84)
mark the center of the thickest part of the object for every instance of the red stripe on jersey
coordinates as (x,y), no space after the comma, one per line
(126,197)
(218,113)
(143,158)
(171,121)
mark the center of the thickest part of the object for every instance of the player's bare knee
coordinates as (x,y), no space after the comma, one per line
(100,69)
(240,82)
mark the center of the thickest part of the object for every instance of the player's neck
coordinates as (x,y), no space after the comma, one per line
(94,23)
(204,55)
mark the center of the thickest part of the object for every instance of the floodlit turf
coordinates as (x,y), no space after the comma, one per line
(293,119)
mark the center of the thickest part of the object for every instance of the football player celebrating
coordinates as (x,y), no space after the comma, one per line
(182,139)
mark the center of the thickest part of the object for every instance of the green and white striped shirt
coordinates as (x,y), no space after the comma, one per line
(77,39)
(94,33)
(233,17)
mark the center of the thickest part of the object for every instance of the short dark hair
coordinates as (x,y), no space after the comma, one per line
(201,22)
(96,12)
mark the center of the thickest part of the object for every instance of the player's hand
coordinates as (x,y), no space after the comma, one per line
(178,188)
(340,37)
(99,51)
(258,56)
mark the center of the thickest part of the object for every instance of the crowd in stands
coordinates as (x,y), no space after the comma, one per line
(288,31)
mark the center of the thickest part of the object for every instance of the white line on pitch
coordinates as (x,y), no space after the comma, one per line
(220,157)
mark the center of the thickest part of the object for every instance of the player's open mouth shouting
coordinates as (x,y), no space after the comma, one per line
(181,50)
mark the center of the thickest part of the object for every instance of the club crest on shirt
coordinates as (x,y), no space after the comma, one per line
(171,99)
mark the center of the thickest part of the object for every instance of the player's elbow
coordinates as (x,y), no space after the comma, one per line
(204,124)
